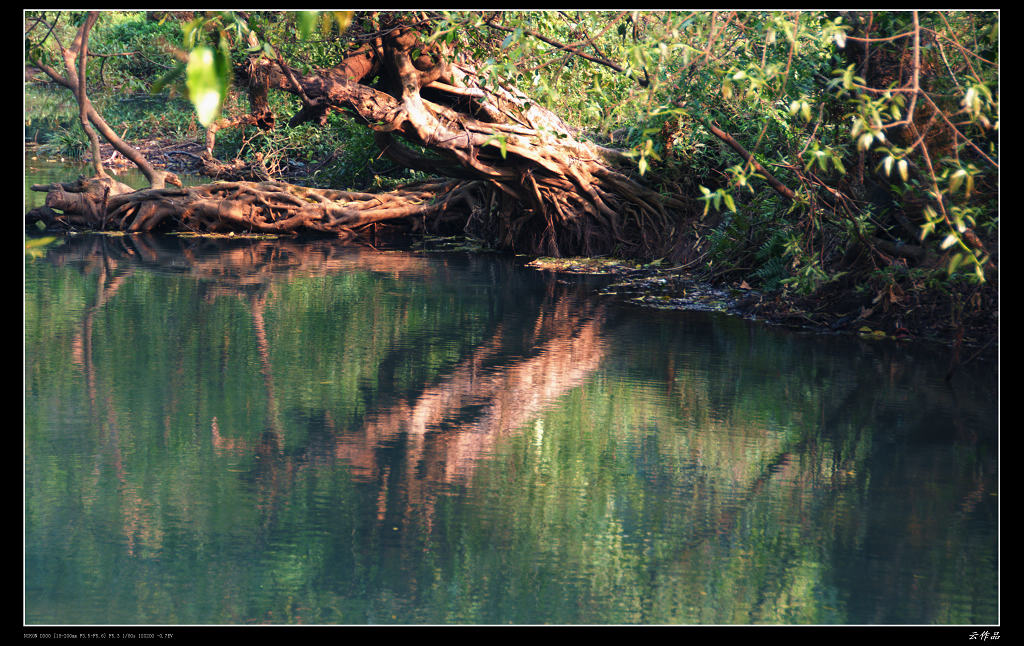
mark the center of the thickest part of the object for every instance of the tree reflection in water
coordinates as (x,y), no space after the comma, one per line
(500,385)
(693,469)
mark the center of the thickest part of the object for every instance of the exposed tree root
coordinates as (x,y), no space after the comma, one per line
(519,177)
(252,207)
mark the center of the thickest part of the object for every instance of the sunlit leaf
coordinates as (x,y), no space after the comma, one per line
(307,22)
(190,32)
(956,180)
(32,243)
(206,80)
(848,78)
(954,262)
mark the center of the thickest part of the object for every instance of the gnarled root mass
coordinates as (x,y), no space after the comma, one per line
(519,177)
(549,221)
(269,207)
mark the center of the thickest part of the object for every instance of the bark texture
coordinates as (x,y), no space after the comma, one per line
(515,174)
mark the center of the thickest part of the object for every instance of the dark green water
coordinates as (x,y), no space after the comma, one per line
(236,432)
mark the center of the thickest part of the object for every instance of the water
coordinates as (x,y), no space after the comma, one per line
(240,432)
(47,169)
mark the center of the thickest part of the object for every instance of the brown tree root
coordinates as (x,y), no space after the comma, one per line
(591,213)
(269,207)
(519,177)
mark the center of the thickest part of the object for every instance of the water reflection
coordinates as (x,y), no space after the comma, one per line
(308,433)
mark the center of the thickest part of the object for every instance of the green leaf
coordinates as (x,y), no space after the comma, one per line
(858,125)
(167,78)
(501,143)
(954,262)
(190,32)
(307,22)
(206,77)
(956,180)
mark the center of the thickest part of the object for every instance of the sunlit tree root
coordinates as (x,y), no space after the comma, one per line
(516,174)
(251,207)
(597,212)
(533,184)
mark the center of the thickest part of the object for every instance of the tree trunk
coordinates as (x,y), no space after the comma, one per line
(518,176)
(74,79)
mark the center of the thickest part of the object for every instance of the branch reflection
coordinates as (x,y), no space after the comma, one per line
(444,430)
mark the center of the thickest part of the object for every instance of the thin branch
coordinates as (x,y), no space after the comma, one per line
(916,86)
(959,134)
(572,48)
(779,187)
(882,40)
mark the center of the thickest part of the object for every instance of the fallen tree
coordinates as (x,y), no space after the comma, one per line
(513,172)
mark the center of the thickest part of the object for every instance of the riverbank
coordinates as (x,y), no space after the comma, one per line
(965,320)
(961,316)
(162,152)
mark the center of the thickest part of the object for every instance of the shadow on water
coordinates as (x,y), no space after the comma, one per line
(447,438)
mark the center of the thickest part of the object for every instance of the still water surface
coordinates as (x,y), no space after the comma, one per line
(233,432)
